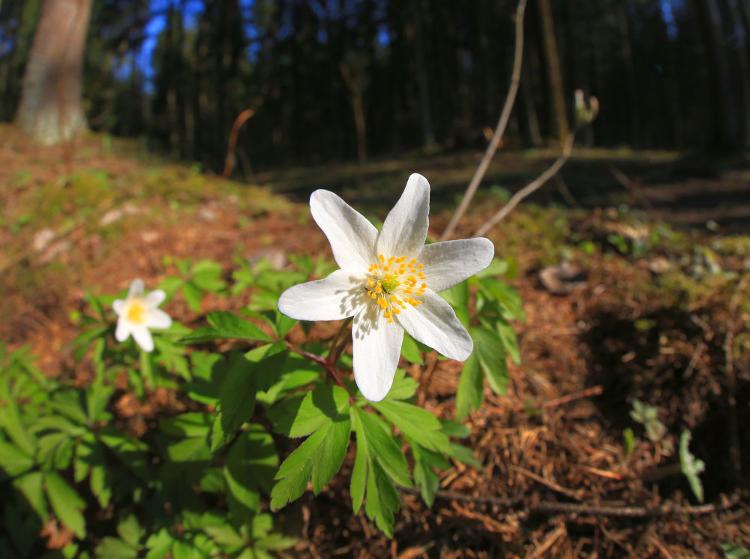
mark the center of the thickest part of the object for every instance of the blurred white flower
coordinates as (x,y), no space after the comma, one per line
(388,283)
(138,314)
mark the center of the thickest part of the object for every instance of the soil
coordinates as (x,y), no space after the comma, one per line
(557,480)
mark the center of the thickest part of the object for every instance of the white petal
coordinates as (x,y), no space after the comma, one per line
(136,288)
(156,318)
(405,228)
(123,330)
(451,262)
(352,237)
(143,338)
(376,348)
(338,296)
(155,298)
(118,306)
(434,323)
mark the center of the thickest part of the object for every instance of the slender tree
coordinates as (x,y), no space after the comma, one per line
(51,110)
(552,58)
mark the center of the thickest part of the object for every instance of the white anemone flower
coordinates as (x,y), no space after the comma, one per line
(388,282)
(138,314)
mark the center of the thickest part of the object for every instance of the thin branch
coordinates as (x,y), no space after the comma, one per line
(230,159)
(601,509)
(330,368)
(530,188)
(502,124)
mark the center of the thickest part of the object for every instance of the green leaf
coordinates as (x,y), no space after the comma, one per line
(284,324)
(298,416)
(691,466)
(470,388)
(193,296)
(236,400)
(66,503)
(382,499)
(31,486)
(191,424)
(189,450)
(113,548)
(10,420)
(509,340)
(331,454)
(319,457)
(735,551)
(424,475)
(224,325)
(403,388)
(249,469)
(13,460)
(359,474)
(382,446)
(416,423)
(488,347)
(509,299)
(410,351)
(458,297)
(130,531)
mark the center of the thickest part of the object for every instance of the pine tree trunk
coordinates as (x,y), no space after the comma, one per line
(51,110)
(553,69)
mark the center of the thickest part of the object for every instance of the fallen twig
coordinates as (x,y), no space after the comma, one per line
(601,509)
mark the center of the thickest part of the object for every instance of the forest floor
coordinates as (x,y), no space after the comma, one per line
(651,312)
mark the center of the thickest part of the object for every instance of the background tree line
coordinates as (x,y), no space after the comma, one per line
(352,79)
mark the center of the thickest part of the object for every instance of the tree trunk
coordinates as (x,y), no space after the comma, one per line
(51,109)
(553,69)
(726,129)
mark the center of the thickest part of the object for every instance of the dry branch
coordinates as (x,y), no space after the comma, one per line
(530,188)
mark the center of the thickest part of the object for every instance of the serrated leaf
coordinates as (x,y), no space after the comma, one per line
(416,423)
(10,420)
(410,351)
(224,325)
(249,469)
(66,503)
(358,480)
(31,485)
(509,340)
(382,446)
(13,461)
(236,400)
(458,298)
(331,454)
(382,499)
(113,548)
(193,296)
(470,388)
(691,466)
(488,347)
(130,531)
(403,388)
(299,416)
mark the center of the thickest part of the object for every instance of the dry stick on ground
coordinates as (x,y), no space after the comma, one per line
(601,509)
(530,188)
(241,119)
(502,124)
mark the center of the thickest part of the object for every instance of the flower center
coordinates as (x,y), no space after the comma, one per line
(136,312)
(395,282)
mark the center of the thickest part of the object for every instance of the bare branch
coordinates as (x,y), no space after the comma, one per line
(502,124)
(530,188)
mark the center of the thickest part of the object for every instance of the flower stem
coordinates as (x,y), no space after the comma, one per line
(147,370)
(337,343)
